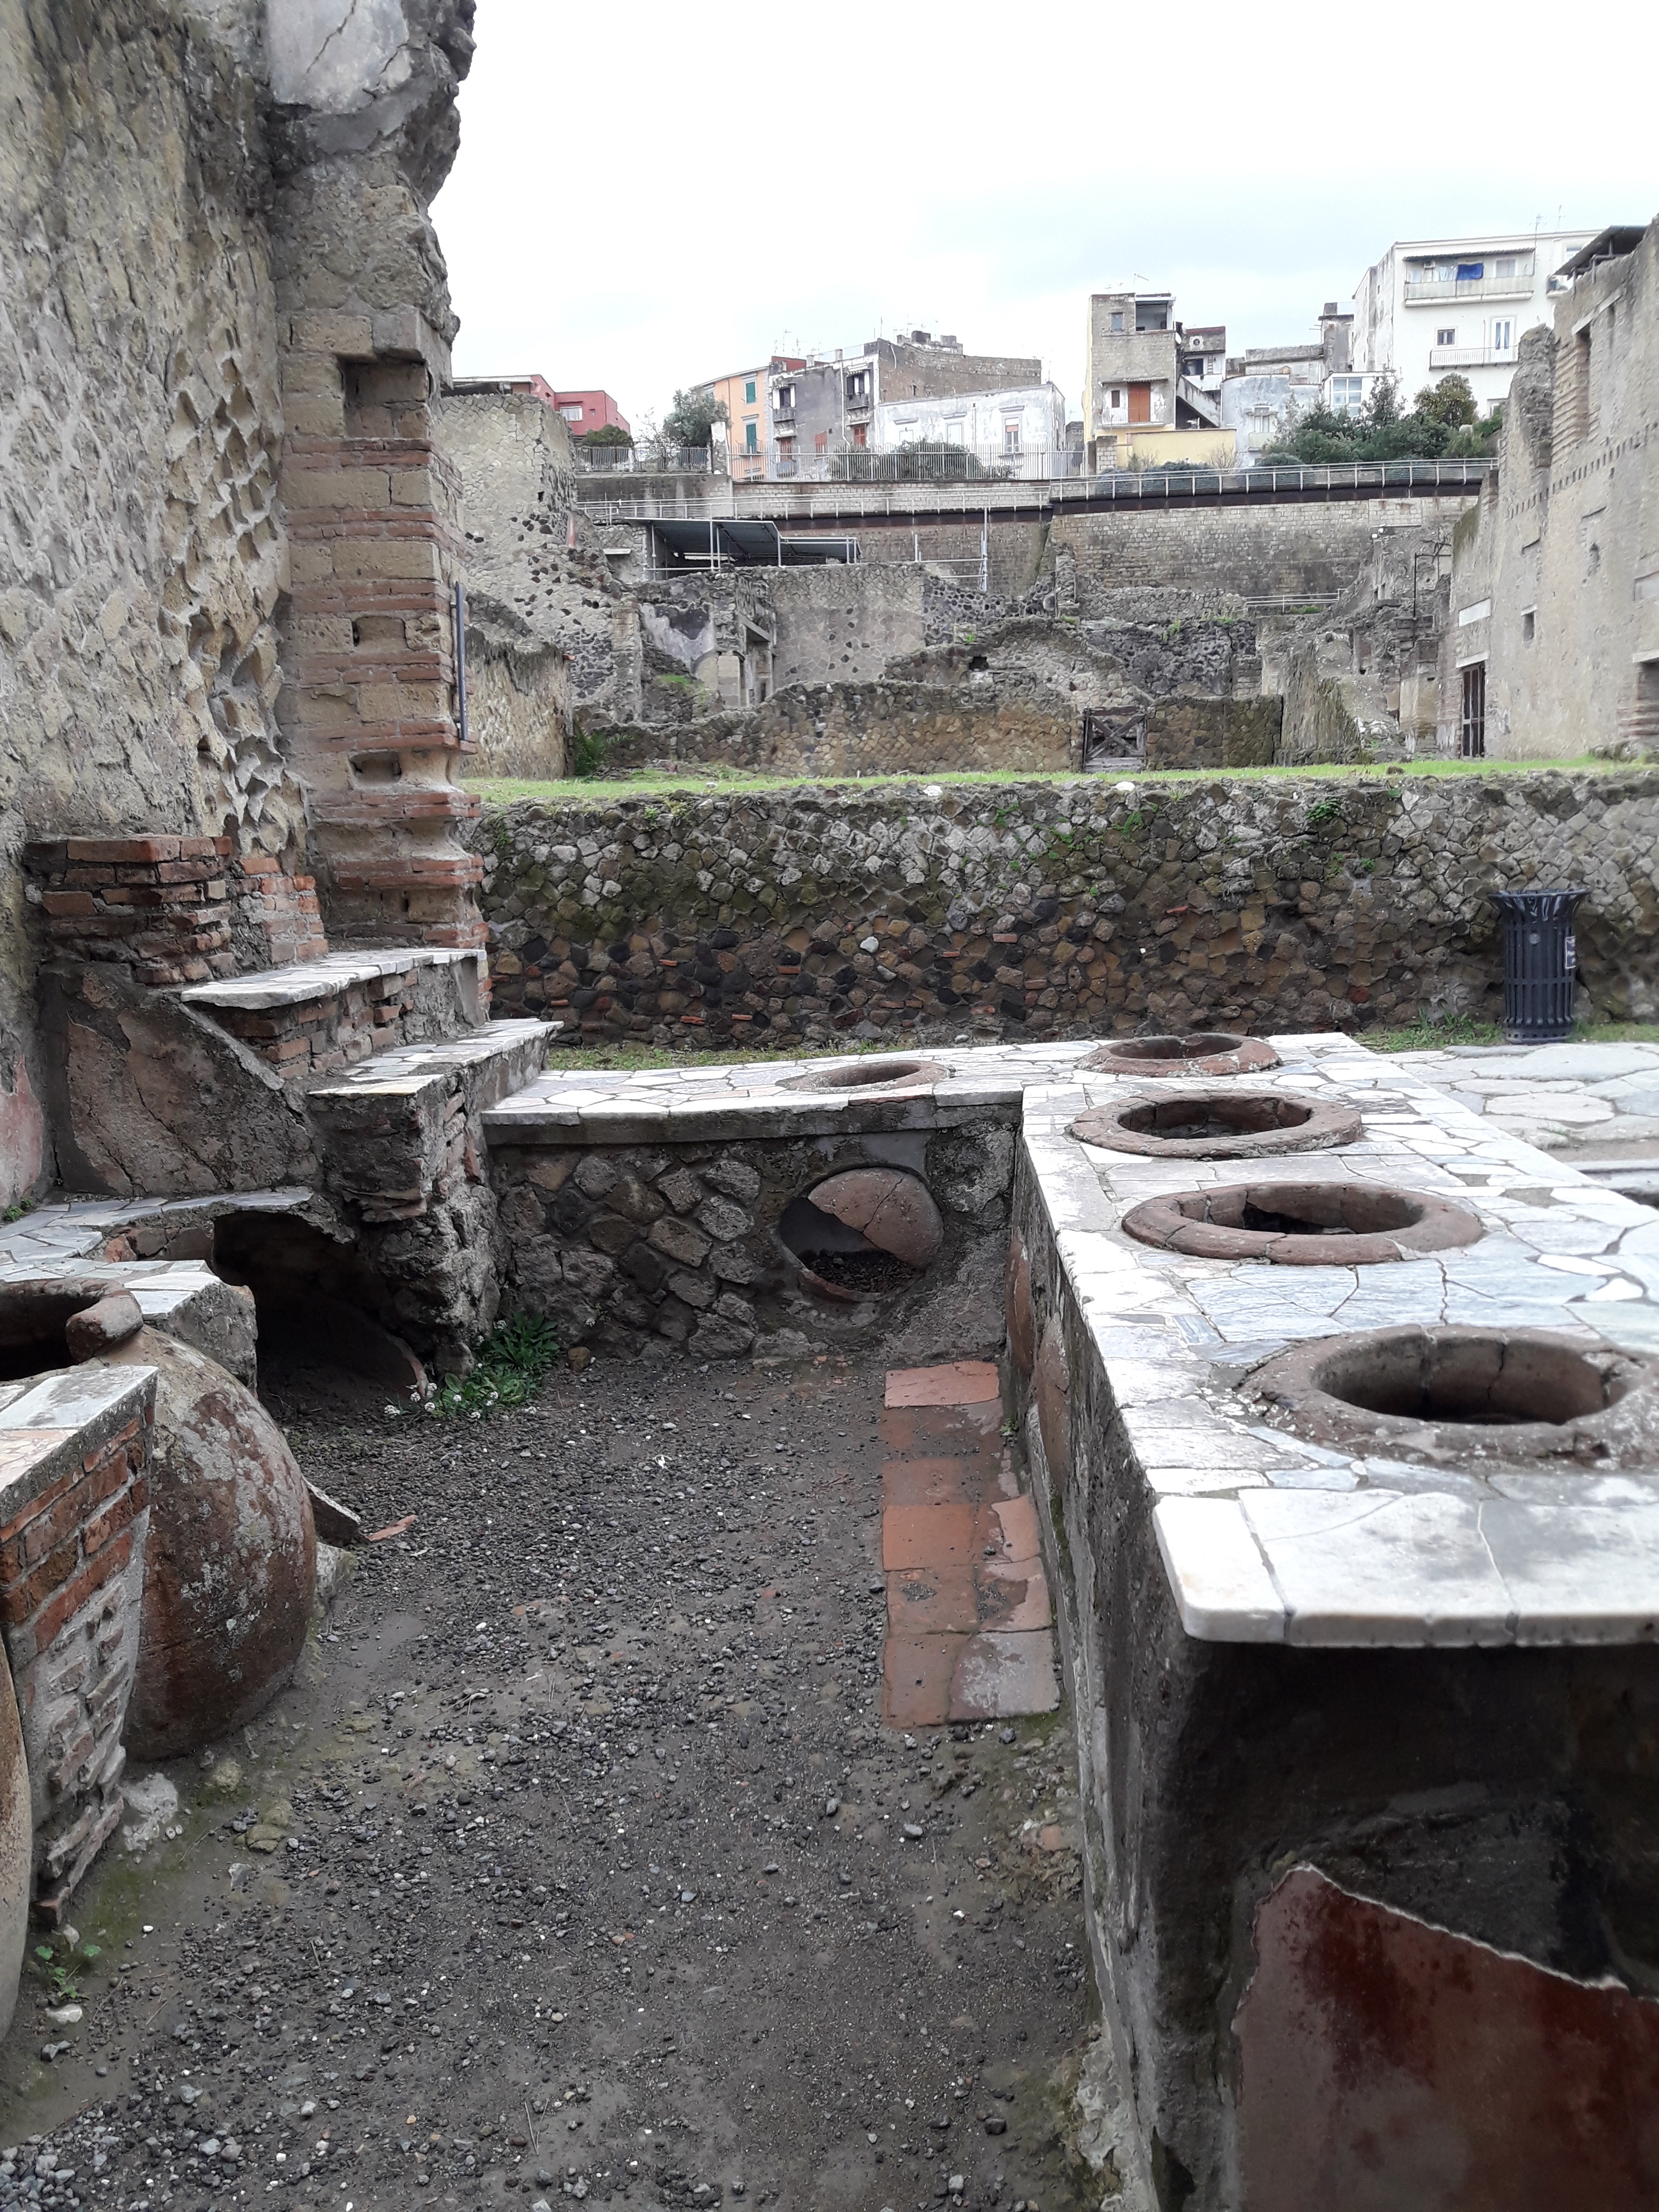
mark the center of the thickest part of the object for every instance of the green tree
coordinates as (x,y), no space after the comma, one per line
(690,421)
(1450,402)
(1441,423)
(608,433)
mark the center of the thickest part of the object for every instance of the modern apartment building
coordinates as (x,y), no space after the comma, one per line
(826,405)
(1019,433)
(749,414)
(583,411)
(1150,379)
(1433,305)
(1265,386)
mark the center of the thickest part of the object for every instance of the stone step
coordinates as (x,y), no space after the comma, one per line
(401,1129)
(319,1018)
(306,982)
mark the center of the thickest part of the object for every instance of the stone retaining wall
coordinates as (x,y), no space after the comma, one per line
(890,728)
(1047,909)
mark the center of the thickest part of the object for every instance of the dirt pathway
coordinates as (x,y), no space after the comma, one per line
(579,1863)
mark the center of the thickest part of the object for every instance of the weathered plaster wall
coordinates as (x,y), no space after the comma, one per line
(1555,580)
(518,696)
(140,558)
(525,597)
(1048,909)
(1273,552)
(844,625)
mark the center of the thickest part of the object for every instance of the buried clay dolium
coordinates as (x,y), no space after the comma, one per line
(1308,1224)
(872,1075)
(1218,1052)
(1450,1393)
(863,1233)
(1219,1124)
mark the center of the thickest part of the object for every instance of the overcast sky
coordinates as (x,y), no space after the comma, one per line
(648,195)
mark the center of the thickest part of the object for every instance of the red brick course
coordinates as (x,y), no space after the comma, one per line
(70,1562)
(167,907)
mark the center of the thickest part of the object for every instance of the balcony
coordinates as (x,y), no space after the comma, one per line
(1426,291)
(783,420)
(1471,356)
(859,406)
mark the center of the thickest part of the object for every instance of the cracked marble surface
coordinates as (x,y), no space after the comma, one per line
(1267,1538)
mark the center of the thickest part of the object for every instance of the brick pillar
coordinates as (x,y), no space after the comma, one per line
(369,704)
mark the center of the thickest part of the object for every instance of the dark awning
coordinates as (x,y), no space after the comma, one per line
(752,544)
(1619,238)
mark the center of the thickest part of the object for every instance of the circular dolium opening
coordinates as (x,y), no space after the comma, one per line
(32,1324)
(867,1074)
(1312,1209)
(1175,1047)
(1185,1120)
(1484,1382)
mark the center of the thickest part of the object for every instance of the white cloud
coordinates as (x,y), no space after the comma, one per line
(647,195)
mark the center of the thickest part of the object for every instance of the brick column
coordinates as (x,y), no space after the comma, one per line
(74,1518)
(369,704)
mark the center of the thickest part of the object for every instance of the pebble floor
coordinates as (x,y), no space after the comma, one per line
(579,1863)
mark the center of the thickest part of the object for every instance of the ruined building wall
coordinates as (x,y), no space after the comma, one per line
(844,625)
(228,537)
(518,486)
(141,559)
(1270,552)
(1555,580)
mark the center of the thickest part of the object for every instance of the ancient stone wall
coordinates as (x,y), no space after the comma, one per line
(617,1245)
(844,625)
(1050,910)
(518,706)
(1555,585)
(140,555)
(1266,552)
(525,601)
(889,728)
(1198,732)
(228,541)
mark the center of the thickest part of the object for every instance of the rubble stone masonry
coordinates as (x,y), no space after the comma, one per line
(1058,908)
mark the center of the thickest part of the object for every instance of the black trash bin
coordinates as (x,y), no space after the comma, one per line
(1540,965)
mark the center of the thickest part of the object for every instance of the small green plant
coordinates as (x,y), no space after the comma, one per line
(509,1363)
(18,1209)
(1324,810)
(588,751)
(1132,821)
(59,1974)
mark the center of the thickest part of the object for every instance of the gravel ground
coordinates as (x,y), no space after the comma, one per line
(577,1863)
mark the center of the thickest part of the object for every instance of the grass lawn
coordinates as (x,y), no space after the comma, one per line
(702,778)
